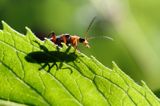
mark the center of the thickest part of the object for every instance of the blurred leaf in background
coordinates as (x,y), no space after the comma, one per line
(134,25)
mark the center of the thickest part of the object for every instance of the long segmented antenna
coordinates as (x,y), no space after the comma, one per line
(89,38)
(86,33)
(106,37)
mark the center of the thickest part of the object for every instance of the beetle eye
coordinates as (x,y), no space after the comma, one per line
(67,36)
(81,40)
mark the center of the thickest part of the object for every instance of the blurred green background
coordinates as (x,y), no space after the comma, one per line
(133,24)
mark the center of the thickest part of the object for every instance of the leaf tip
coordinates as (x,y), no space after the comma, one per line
(28,30)
(4,24)
(3,21)
(7,28)
(29,33)
(143,84)
(114,65)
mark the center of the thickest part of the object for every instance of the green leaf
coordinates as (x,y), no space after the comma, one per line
(33,72)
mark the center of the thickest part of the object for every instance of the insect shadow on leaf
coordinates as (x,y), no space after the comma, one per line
(50,58)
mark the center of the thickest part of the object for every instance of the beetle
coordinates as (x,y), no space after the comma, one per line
(68,40)
(73,39)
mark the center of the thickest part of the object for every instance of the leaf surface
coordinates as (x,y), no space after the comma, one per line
(34,72)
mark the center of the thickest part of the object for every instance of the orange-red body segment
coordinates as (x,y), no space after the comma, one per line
(68,39)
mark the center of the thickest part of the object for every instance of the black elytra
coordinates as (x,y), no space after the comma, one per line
(68,39)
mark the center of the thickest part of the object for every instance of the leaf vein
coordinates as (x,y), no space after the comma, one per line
(23,71)
(19,103)
(135,89)
(24,82)
(91,81)
(66,89)
(126,92)
(101,92)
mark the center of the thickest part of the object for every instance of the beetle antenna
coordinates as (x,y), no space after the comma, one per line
(86,33)
(106,37)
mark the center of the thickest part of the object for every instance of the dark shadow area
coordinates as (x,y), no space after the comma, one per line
(50,58)
(157,93)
